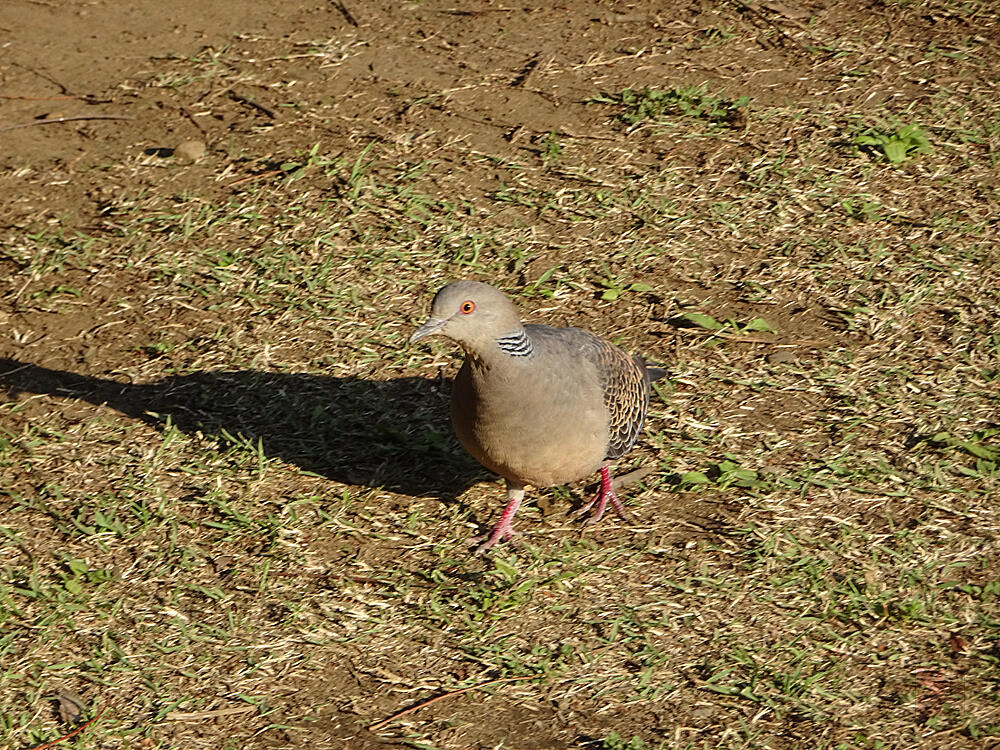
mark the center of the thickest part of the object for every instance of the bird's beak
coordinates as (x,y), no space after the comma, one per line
(432,326)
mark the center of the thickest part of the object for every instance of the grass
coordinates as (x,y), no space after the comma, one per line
(897,145)
(692,102)
(231,486)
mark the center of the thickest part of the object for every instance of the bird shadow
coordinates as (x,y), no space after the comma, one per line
(391,434)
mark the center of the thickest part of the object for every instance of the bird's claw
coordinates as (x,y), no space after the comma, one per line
(602,499)
(484,542)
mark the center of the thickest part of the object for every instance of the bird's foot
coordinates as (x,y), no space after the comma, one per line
(501,532)
(600,502)
(504,529)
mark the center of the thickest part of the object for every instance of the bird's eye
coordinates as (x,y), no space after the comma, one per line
(467,306)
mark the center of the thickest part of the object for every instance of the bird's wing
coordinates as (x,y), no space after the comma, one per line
(625,386)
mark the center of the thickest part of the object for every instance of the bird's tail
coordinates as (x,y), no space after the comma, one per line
(651,373)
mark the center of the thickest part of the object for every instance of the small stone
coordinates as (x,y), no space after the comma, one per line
(780,356)
(190,151)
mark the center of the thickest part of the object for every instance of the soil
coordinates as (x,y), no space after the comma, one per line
(102,101)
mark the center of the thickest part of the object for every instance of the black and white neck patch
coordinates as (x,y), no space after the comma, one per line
(516,344)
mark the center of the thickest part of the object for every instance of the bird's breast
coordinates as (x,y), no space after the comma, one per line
(531,423)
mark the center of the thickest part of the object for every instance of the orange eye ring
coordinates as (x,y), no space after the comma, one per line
(467,307)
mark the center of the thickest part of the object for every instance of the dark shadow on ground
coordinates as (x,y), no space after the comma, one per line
(392,434)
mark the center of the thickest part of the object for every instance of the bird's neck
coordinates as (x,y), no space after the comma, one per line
(515,344)
(492,356)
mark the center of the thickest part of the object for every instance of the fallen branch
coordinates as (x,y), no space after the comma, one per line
(379,724)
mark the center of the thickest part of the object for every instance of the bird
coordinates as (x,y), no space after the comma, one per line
(537,405)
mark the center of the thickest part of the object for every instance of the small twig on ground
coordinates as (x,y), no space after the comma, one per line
(379,724)
(199,715)
(63,97)
(253,177)
(344,12)
(65,119)
(623,480)
(42,74)
(72,734)
(529,68)
(737,338)
(750,10)
(238,97)
(462,12)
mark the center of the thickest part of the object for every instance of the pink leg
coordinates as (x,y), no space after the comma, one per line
(503,529)
(604,496)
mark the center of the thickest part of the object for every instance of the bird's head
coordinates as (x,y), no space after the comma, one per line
(471,314)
